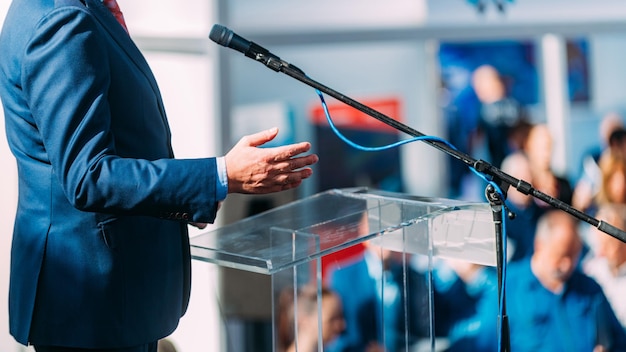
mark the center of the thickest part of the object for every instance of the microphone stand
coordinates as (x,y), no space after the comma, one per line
(497,205)
(495,175)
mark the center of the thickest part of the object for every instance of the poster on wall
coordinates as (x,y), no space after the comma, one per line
(342,165)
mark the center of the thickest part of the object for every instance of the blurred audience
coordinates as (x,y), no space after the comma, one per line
(521,229)
(538,149)
(299,327)
(607,261)
(551,304)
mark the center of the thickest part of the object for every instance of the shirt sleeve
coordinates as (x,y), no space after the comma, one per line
(221,185)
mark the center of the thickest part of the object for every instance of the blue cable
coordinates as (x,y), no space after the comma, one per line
(373,149)
(482,176)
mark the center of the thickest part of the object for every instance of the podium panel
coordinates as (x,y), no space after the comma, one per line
(287,245)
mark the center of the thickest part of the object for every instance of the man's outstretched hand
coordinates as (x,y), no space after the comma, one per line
(254,170)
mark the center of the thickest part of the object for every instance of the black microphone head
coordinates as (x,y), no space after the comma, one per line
(221,35)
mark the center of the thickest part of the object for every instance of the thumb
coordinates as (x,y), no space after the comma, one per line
(262,137)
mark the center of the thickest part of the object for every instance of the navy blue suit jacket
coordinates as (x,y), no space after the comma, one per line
(100,252)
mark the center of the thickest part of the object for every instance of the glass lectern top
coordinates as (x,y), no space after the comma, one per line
(337,219)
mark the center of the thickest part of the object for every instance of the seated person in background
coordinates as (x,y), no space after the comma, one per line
(305,321)
(521,229)
(538,149)
(464,305)
(617,143)
(588,183)
(500,114)
(607,260)
(613,180)
(371,289)
(551,304)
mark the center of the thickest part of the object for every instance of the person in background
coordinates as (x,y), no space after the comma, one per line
(371,288)
(617,143)
(538,148)
(464,306)
(606,263)
(612,177)
(104,206)
(500,114)
(299,328)
(589,181)
(613,180)
(551,304)
(521,229)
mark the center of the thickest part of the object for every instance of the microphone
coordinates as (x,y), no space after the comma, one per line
(225,37)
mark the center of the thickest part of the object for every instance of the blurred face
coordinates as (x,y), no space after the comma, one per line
(557,257)
(616,187)
(487,84)
(539,147)
(333,323)
(519,167)
(610,248)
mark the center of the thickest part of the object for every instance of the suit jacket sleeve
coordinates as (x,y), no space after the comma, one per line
(109,149)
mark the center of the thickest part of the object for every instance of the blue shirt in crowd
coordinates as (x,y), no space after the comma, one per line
(576,319)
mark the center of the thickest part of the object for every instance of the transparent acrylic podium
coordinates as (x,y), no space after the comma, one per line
(289,244)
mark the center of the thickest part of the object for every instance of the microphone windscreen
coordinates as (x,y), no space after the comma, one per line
(220,34)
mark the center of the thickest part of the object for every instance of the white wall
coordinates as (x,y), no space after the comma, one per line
(608,58)
(186,80)
(324,15)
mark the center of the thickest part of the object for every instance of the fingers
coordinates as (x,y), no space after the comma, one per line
(295,163)
(293,179)
(289,151)
(199,225)
(260,138)
(303,161)
(281,153)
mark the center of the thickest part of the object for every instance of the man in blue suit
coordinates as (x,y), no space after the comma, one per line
(100,253)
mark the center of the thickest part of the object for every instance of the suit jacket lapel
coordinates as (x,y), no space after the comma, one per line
(119,35)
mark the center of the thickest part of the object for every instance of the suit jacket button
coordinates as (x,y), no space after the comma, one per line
(185,216)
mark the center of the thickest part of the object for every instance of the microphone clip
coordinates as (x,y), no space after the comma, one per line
(262,55)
